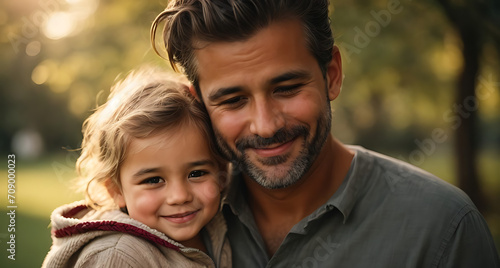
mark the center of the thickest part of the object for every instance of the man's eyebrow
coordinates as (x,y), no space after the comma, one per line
(290,76)
(222,92)
(144,171)
(275,80)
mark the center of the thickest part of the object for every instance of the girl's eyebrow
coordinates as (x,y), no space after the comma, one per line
(143,171)
(202,163)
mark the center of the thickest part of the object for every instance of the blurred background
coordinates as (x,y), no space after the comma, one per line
(421,84)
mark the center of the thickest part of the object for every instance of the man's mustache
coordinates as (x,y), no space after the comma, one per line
(281,136)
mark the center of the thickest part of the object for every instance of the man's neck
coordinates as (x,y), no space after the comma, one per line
(277,211)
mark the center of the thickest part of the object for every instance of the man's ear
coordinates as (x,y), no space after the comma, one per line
(334,75)
(116,193)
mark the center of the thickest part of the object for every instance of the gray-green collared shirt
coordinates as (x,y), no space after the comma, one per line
(385,214)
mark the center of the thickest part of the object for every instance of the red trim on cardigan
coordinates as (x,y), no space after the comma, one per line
(112,226)
(72,212)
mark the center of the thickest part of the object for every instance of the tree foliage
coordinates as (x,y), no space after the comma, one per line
(401,62)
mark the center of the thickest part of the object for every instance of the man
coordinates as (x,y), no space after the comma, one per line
(266,72)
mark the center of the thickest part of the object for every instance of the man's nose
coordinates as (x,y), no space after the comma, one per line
(267,119)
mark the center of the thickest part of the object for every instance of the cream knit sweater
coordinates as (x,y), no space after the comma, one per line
(83,237)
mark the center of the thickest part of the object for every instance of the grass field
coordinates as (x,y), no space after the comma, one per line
(40,188)
(44,185)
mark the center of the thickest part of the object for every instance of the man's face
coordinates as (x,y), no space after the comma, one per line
(268,102)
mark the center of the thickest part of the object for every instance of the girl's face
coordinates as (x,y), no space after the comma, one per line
(170,182)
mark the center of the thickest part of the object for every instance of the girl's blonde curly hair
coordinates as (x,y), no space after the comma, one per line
(147,100)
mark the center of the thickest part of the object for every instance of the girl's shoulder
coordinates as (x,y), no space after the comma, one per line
(115,249)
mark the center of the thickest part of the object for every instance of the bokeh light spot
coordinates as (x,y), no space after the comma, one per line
(33,48)
(40,74)
(59,25)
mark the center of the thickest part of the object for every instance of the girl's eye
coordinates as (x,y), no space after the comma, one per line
(197,173)
(153,180)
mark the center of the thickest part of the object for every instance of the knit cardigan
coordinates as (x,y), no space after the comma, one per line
(84,237)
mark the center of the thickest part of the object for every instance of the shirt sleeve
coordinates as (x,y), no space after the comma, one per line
(468,243)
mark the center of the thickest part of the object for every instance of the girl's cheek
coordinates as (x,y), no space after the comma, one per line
(209,190)
(145,199)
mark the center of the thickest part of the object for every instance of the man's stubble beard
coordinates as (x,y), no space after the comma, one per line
(290,174)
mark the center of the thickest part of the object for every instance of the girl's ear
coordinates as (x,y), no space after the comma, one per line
(193,93)
(224,176)
(115,192)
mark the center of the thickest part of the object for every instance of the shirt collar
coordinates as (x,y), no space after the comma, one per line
(343,199)
(236,197)
(348,193)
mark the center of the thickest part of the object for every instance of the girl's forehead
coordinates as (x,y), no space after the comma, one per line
(172,150)
(166,138)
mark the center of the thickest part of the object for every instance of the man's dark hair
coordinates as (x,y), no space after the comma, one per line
(191,23)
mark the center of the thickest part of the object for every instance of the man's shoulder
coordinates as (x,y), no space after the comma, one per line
(406,183)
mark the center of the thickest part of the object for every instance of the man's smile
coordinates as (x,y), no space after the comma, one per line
(274,150)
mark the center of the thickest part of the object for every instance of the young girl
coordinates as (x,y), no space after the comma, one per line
(152,180)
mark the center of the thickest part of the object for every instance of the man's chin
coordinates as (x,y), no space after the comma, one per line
(271,177)
(277,183)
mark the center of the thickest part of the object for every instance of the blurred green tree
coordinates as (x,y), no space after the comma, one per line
(58,55)
(401,61)
(412,72)
(477,24)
